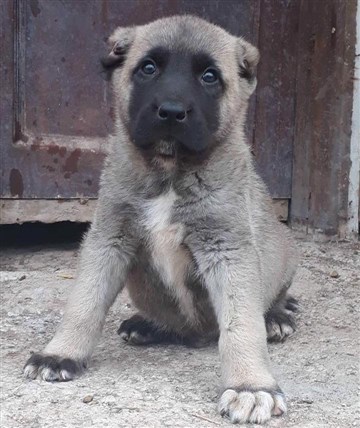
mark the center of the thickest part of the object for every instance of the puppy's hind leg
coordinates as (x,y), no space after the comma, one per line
(280,319)
(160,319)
(139,331)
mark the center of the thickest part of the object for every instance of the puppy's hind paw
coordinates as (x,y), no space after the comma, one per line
(280,320)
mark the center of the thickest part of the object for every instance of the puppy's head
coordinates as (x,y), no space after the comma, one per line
(181,84)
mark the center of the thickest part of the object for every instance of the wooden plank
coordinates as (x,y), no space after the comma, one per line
(326,52)
(275,96)
(46,210)
(78,210)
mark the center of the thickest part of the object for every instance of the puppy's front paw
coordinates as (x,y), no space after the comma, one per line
(52,368)
(244,406)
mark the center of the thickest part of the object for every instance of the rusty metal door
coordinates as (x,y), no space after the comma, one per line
(56,106)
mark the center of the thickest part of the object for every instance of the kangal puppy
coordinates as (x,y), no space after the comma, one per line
(183,220)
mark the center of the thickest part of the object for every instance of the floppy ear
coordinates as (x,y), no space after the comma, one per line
(120,42)
(248,57)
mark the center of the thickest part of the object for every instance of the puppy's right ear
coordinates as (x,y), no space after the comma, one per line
(120,42)
(248,58)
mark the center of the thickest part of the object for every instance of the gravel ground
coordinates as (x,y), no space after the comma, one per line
(158,386)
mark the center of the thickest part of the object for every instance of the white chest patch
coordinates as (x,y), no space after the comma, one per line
(164,240)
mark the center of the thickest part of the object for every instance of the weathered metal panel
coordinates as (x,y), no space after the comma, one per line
(323,115)
(275,96)
(41,159)
(61,104)
(6,85)
(55,109)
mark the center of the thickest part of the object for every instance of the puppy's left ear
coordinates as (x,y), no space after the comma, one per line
(119,42)
(248,58)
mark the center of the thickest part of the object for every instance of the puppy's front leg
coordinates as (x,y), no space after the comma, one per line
(250,393)
(104,262)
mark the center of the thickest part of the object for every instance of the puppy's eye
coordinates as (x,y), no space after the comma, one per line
(210,76)
(148,67)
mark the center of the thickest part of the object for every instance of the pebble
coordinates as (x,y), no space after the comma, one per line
(306,401)
(334,274)
(88,399)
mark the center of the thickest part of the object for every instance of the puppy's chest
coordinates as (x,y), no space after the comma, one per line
(164,238)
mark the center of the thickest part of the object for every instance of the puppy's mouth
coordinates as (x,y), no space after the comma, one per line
(166,149)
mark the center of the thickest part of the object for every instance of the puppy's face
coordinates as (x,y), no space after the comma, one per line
(180,83)
(175,99)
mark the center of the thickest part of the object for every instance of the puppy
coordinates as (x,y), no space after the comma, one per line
(183,220)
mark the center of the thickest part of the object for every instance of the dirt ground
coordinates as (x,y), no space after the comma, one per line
(159,386)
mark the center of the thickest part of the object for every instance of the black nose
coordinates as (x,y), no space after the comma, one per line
(171,110)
